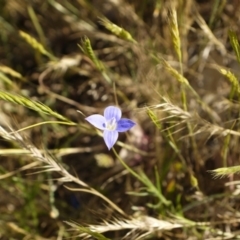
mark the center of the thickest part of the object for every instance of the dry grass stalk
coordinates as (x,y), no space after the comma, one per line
(205,126)
(235,43)
(53,166)
(201,22)
(36,45)
(143,224)
(175,34)
(116,30)
(225,171)
(10,71)
(174,72)
(60,67)
(86,47)
(232,79)
(26,102)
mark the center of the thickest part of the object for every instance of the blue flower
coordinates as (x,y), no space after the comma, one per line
(111,123)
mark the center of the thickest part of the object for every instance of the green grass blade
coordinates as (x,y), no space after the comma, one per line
(34,105)
(235,43)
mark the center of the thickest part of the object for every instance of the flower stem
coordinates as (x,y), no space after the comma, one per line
(126,166)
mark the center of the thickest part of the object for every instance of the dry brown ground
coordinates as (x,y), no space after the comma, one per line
(70,81)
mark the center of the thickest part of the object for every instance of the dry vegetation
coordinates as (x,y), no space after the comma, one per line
(172,67)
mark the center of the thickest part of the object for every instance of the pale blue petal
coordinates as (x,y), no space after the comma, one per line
(124,124)
(112,112)
(110,138)
(97,121)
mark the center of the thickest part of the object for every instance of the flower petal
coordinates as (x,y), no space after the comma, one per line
(112,112)
(124,124)
(97,121)
(110,138)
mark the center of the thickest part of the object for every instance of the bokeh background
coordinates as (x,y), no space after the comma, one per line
(42,57)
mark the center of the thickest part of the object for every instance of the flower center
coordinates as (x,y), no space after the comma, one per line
(111,125)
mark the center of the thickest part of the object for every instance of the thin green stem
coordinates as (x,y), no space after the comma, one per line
(46,122)
(126,166)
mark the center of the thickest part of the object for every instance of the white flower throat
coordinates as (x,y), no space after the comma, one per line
(111,125)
